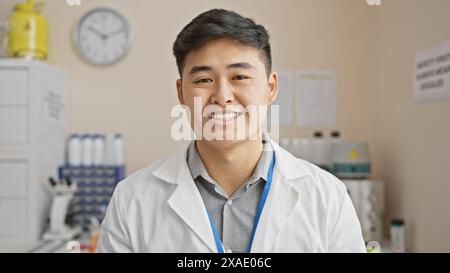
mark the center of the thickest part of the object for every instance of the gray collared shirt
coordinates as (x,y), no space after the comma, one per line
(233,215)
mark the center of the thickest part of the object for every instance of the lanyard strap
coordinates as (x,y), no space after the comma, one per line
(261,204)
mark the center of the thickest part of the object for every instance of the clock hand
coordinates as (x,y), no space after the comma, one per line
(115,32)
(99,33)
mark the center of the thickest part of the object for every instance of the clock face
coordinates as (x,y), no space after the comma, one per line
(103,36)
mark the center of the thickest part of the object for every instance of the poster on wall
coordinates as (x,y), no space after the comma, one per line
(285,97)
(431,79)
(315,99)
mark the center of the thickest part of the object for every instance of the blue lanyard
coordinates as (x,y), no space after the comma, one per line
(261,204)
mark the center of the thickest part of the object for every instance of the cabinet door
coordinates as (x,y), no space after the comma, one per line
(13,213)
(14,125)
(13,86)
(13,179)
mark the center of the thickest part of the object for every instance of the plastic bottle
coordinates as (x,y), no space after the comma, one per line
(87,150)
(301,148)
(74,151)
(319,154)
(335,138)
(398,236)
(118,150)
(99,150)
(109,149)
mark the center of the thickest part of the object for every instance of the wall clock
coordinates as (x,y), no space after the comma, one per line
(103,37)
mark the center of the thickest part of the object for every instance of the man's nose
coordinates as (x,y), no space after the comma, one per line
(223,94)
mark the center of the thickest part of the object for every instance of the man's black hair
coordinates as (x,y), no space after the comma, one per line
(220,23)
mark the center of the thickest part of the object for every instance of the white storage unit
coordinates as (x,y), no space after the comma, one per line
(32,131)
(368,199)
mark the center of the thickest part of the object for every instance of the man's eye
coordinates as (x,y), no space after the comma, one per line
(203,81)
(240,77)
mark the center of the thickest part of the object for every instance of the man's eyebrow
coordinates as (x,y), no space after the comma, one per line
(199,68)
(244,65)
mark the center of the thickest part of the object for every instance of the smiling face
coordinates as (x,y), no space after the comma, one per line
(228,78)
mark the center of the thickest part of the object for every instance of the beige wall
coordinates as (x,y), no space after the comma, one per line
(414,139)
(365,45)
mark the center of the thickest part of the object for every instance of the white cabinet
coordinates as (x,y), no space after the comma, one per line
(32,131)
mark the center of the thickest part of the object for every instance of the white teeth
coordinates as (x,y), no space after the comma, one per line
(230,115)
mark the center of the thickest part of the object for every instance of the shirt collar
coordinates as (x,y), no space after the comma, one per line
(197,167)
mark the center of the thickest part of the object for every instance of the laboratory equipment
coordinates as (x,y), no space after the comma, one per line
(96,185)
(63,192)
(27,31)
(99,150)
(87,150)
(114,153)
(367,196)
(33,100)
(319,150)
(398,235)
(335,138)
(350,159)
(301,148)
(74,150)
(96,176)
(118,150)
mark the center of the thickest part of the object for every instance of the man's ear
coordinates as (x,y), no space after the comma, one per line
(180,92)
(273,86)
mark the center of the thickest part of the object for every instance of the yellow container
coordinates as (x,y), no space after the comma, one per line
(28,32)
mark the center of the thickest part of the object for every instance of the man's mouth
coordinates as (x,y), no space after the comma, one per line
(226,116)
(223,118)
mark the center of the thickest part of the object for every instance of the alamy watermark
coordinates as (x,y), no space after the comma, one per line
(73,2)
(373,2)
(234,122)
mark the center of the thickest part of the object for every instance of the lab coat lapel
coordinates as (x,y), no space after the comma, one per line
(280,202)
(282,199)
(186,200)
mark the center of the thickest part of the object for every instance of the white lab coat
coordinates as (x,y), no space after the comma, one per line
(159,209)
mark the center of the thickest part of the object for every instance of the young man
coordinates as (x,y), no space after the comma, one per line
(229,194)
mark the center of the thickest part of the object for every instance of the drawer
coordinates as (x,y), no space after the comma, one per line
(14,125)
(13,178)
(13,215)
(13,86)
